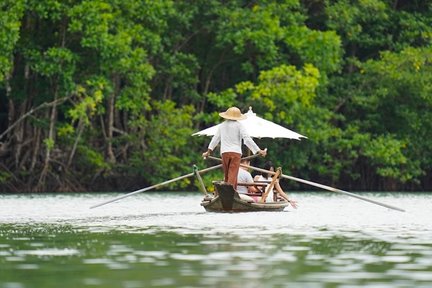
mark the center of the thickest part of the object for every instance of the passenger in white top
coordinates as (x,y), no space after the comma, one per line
(270,195)
(230,134)
(245,177)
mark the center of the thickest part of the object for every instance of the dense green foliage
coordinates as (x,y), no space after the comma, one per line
(105,94)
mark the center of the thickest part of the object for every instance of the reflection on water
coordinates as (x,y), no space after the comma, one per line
(167,240)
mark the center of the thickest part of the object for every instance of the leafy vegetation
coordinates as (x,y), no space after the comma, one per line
(105,94)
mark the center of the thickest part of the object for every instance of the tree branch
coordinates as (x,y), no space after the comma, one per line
(43,105)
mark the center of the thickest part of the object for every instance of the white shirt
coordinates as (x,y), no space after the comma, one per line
(243,177)
(270,195)
(230,134)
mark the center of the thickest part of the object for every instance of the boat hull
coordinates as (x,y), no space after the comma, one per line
(228,200)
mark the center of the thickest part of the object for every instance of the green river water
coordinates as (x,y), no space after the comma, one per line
(165,239)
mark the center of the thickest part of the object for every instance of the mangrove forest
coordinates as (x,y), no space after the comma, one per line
(104,95)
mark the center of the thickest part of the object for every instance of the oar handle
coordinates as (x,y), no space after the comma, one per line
(213,158)
(250,157)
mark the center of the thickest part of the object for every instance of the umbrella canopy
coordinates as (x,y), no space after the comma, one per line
(257,127)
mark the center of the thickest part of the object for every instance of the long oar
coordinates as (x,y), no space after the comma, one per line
(156,186)
(320,186)
(326,188)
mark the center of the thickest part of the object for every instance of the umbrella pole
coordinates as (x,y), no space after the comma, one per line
(325,187)
(157,185)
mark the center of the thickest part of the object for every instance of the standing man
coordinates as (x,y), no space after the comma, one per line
(230,134)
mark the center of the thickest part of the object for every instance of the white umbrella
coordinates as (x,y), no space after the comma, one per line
(257,127)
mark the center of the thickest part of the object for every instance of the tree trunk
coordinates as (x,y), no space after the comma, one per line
(11,104)
(78,137)
(51,136)
(19,135)
(36,148)
(168,89)
(110,119)
(109,132)
(353,53)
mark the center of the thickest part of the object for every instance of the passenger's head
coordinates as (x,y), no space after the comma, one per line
(268,166)
(245,162)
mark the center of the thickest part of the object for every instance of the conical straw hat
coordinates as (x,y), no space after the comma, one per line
(233,113)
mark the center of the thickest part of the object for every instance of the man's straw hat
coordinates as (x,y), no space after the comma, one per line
(233,113)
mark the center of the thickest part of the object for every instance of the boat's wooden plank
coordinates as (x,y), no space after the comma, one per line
(271,185)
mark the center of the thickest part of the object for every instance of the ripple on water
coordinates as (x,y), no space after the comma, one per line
(422,276)
(28,266)
(48,252)
(98,261)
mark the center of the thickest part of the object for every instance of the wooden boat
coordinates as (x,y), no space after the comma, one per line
(226,199)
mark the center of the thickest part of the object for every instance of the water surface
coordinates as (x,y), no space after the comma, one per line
(168,240)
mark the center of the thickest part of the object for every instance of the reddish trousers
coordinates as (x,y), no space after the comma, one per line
(231,165)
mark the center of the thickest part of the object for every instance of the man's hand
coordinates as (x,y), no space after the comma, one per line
(206,154)
(263,153)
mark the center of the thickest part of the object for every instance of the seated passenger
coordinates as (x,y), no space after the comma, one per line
(268,178)
(245,177)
